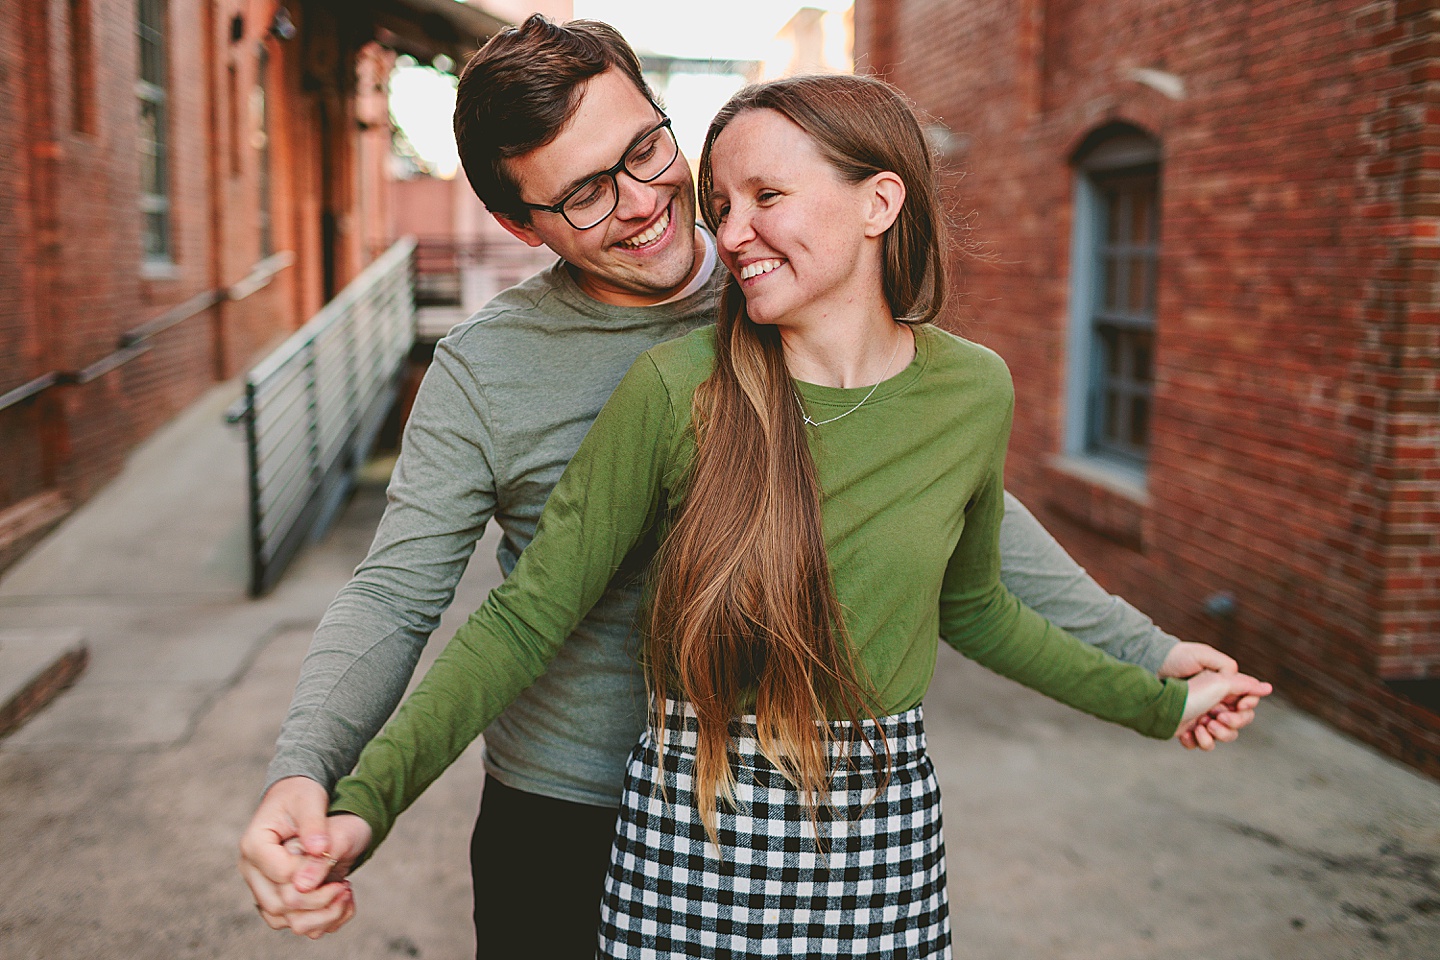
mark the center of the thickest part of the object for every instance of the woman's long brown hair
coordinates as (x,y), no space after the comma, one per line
(744,605)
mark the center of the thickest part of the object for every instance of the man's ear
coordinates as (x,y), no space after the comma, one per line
(521,230)
(884,198)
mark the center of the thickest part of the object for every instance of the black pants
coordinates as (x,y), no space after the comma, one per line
(539,869)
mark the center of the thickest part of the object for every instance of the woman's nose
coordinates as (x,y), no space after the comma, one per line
(734,232)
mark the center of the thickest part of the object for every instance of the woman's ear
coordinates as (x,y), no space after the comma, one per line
(884,196)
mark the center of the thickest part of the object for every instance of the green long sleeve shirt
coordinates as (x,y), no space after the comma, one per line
(912,487)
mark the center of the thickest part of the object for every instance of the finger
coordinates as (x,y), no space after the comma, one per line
(263,854)
(1211,659)
(1186,734)
(274,921)
(1235,720)
(1245,686)
(266,894)
(348,914)
(312,873)
(298,901)
(1203,740)
(1220,732)
(316,923)
(313,829)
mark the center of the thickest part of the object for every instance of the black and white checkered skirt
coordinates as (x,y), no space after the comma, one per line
(874,886)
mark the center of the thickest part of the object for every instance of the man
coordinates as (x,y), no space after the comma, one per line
(563,142)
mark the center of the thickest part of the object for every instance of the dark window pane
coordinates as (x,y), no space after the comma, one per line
(157,236)
(1139,422)
(1137,276)
(1142,205)
(1112,418)
(153,135)
(1126,249)
(1141,368)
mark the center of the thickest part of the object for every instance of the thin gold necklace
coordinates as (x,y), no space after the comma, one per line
(820,423)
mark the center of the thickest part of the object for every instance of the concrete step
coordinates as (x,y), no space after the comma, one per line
(35,666)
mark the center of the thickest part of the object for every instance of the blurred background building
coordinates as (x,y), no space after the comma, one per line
(185,182)
(1208,250)
(1205,236)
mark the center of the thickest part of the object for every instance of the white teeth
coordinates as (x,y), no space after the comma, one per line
(758,267)
(651,235)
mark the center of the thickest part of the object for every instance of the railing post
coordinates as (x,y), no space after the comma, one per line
(312,389)
(252,463)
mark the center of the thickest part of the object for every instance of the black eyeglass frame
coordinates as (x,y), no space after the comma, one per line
(559,208)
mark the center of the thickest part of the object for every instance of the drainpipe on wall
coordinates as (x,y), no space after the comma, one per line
(215,172)
(44,160)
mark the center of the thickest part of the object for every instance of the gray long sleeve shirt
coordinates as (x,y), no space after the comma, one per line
(502,409)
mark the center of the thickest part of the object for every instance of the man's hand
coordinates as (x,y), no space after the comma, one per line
(1187,659)
(1224,723)
(292,811)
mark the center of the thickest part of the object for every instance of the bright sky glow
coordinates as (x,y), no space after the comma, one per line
(423,100)
(734,29)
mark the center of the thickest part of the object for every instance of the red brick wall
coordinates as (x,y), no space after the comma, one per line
(426,207)
(1296,424)
(20,465)
(74,280)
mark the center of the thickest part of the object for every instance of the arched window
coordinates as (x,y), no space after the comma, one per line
(1114,265)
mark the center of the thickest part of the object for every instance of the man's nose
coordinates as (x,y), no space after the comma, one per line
(635,200)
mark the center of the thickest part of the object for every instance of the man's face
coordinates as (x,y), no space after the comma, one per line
(644,251)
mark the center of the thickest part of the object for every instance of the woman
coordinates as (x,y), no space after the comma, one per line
(824,471)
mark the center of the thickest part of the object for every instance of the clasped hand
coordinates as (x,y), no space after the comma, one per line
(295,859)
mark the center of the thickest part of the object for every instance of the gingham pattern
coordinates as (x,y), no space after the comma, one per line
(875,886)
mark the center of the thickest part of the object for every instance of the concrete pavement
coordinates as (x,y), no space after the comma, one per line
(121,802)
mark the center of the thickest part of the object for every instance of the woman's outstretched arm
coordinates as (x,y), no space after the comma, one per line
(608,498)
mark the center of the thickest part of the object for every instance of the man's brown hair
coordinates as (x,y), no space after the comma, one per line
(519,90)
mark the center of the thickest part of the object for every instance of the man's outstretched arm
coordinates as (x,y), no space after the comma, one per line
(367,644)
(1036,568)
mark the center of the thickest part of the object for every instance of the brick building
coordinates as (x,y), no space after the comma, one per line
(1209,252)
(184,183)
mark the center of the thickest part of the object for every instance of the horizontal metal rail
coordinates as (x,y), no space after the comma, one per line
(132,343)
(313,407)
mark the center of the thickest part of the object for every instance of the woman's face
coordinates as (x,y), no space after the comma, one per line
(791,230)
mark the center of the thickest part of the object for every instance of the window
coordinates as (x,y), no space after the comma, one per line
(154,133)
(260,113)
(82,73)
(1115,257)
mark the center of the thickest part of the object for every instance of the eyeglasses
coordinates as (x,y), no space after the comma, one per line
(590,203)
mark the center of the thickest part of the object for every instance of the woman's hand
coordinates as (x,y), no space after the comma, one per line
(349,838)
(1223,723)
(1213,695)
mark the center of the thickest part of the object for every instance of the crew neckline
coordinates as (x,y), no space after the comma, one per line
(823,396)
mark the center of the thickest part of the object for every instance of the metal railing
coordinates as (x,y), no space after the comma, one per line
(135,343)
(312,410)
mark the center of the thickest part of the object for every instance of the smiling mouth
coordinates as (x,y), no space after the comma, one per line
(642,240)
(758,268)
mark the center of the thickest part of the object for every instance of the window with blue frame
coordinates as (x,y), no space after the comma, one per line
(1115,259)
